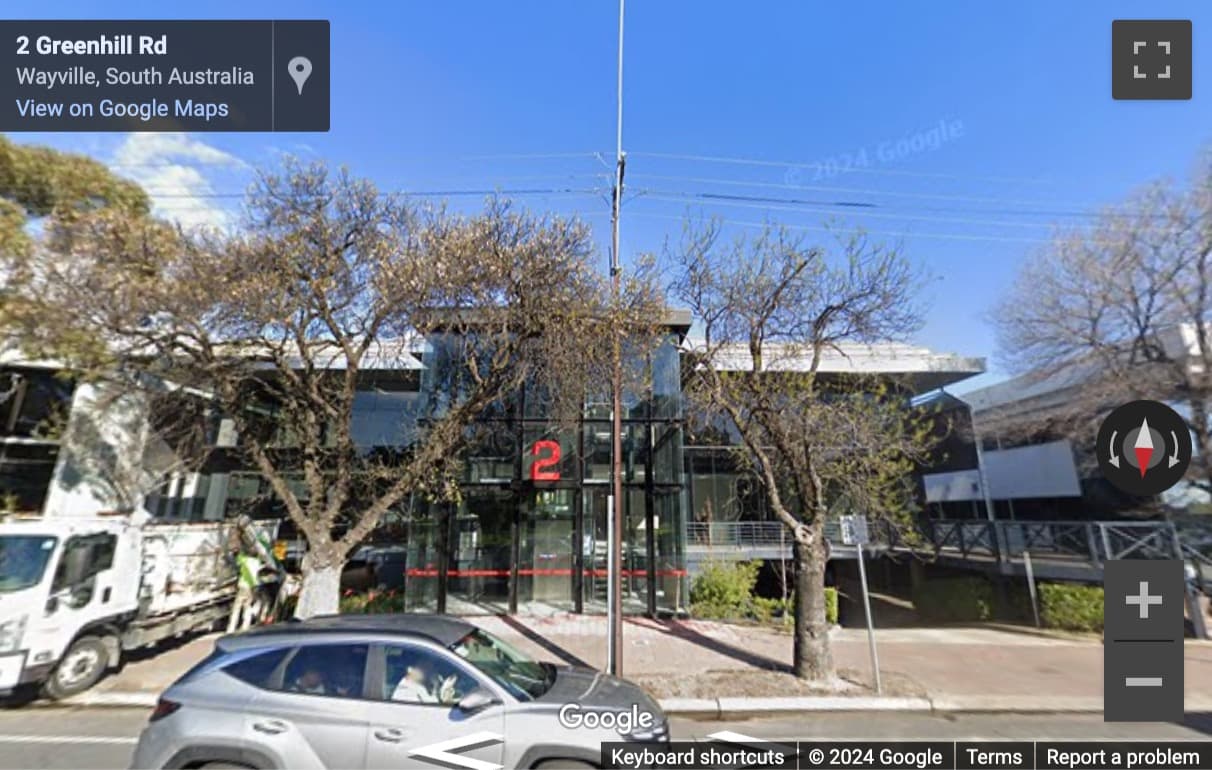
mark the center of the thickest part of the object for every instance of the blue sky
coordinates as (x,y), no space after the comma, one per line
(820,103)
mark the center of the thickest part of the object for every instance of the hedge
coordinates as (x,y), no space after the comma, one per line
(1070,606)
(724,591)
(1062,606)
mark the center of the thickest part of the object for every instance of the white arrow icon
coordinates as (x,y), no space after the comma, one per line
(1143,448)
(443,753)
(727,736)
(1173,459)
(1114,457)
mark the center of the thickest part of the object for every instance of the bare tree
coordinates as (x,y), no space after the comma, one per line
(1119,310)
(278,323)
(771,308)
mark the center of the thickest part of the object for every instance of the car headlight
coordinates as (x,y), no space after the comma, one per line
(11,633)
(658,733)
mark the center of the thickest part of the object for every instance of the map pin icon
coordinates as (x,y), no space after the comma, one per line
(300,69)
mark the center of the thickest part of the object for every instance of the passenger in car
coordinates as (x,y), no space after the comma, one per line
(311,682)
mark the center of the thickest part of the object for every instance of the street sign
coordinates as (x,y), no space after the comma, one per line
(854,530)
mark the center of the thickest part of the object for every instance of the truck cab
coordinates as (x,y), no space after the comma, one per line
(63,581)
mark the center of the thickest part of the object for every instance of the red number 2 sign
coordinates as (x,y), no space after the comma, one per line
(546,454)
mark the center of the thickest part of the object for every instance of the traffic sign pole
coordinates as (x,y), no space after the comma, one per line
(875,658)
(854,532)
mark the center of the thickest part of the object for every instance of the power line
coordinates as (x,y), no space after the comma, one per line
(739,202)
(802,164)
(240,162)
(887,233)
(414,193)
(531,156)
(873,191)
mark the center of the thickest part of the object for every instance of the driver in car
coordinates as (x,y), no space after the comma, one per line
(413,686)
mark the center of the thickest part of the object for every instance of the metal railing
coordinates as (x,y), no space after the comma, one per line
(1088,541)
(1093,541)
(737,534)
(764,534)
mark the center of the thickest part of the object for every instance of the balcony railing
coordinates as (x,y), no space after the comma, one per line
(1087,541)
(737,534)
(1093,541)
(765,534)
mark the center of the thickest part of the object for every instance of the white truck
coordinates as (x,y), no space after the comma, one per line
(76,593)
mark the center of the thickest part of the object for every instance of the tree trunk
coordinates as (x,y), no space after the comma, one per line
(812,657)
(320,594)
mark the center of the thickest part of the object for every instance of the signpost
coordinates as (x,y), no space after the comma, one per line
(854,532)
(1031,586)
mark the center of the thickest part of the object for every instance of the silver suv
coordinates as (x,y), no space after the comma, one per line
(388,691)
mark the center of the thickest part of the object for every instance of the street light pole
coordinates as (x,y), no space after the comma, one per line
(614,609)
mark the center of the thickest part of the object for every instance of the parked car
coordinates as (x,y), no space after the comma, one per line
(376,691)
(374,567)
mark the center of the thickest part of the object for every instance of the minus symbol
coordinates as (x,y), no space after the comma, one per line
(1142,681)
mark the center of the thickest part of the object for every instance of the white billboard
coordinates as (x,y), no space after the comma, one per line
(1039,470)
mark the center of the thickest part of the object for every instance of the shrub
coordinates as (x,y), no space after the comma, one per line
(767,610)
(372,603)
(955,600)
(1070,606)
(724,591)
(725,588)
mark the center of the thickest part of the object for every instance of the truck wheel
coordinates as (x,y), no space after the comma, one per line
(82,666)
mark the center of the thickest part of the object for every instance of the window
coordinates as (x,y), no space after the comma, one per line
(23,560)
(524,677)
(257,669)
(334,670)
(35,402)
(83,558)
(420,676)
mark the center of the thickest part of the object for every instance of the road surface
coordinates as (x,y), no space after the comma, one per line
(50,738)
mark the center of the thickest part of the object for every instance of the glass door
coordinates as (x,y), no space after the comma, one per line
(594,547)
(546,551)
(481,552)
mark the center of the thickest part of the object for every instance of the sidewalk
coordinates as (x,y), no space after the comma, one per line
(711,668)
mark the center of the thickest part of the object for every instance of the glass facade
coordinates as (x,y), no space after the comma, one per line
(529,533)
(33,406)
(529,530)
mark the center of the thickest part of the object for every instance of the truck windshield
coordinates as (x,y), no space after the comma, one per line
(23,560)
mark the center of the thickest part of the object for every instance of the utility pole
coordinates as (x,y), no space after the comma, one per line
(614,566)
(995,539)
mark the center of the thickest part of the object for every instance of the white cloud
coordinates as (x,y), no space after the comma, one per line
(179,174)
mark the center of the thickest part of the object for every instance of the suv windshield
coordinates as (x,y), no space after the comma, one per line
(515,671)
(23,560)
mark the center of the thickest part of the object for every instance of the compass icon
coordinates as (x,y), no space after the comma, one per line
(1144,448)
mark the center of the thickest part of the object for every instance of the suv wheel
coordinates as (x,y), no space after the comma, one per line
(82,666)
